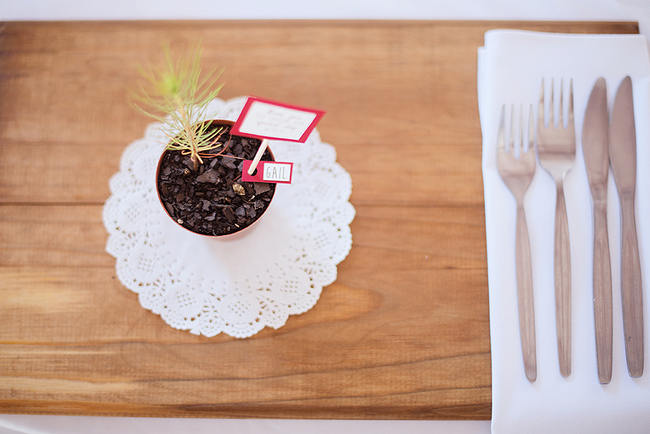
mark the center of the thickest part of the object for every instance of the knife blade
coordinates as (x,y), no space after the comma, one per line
(622,152)
(595,138)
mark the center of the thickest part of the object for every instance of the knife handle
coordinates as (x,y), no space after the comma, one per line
(602,293)
(562,269)
(525,296)
(631,290)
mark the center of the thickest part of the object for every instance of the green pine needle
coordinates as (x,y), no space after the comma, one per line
(177,95)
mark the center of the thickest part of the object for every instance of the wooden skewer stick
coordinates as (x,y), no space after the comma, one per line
(258,156)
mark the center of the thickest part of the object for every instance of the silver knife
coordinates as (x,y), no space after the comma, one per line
(622,153)
(595,147)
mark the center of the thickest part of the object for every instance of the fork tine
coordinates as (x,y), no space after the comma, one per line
(540,107)
(521,130)
(531,129)
(551,106)
(570,115)
(560,117)
(501,143)
(511,141)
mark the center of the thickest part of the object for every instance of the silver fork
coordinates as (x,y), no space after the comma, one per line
(517,173)
(556,148)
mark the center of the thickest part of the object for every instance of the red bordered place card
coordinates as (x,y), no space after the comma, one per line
(266,119)
(268,171)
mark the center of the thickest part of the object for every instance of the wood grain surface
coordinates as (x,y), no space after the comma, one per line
(404,331)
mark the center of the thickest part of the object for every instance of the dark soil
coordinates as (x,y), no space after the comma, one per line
(214,200)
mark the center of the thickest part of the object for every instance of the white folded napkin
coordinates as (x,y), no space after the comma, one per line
(511,67)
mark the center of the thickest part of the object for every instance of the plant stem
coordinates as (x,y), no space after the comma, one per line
(194,154)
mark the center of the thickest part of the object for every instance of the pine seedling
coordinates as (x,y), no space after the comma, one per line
(176,94)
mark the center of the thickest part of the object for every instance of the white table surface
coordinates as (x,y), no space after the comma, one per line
(611,10)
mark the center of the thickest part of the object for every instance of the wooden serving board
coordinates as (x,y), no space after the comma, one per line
(403,333)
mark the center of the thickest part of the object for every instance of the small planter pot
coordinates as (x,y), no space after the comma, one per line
(205,202)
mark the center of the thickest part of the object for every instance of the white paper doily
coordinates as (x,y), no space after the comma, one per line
(237,286)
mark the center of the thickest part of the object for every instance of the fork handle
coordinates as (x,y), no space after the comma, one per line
(525,296)
(562,269)
(631,290)
(602,294)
